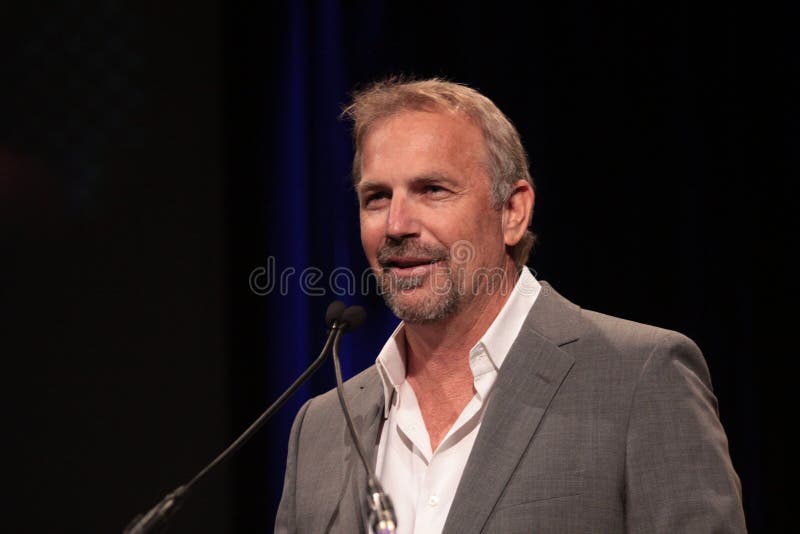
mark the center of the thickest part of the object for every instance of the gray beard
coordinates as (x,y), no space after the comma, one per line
(438,305)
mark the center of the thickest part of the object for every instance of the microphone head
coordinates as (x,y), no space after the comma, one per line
(353,317)
(334,313)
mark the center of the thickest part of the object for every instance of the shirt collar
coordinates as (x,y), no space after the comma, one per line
(495,342)
(506,326)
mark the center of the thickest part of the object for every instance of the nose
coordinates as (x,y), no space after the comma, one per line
(402,222)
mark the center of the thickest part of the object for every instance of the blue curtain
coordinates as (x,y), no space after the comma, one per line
(312,231)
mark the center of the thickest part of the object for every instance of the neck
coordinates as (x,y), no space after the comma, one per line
(440,351)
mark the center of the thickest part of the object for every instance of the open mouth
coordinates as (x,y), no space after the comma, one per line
(409,266)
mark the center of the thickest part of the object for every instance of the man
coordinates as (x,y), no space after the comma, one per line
(497,405)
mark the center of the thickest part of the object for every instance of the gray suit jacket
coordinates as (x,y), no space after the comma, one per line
(595,424)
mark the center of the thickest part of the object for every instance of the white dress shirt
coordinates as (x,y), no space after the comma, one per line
(422,483)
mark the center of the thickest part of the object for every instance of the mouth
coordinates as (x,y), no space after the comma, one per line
(409,265)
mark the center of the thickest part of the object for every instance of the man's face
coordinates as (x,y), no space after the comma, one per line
(427,225)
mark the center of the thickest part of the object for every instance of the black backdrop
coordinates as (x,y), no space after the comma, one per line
(153,155)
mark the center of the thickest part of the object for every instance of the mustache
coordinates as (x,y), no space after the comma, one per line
(411,248)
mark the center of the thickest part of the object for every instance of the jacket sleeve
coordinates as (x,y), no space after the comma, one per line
(286,519)
(678,473)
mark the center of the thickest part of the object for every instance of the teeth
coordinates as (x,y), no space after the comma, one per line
(406,265)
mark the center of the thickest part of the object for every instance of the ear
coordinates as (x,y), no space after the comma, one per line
(517,212)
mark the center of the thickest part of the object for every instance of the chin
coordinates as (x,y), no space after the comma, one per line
(422,309)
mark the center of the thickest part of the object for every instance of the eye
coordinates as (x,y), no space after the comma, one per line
(374,199)
(435,191)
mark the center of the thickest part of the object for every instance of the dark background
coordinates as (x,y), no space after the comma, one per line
(152,155)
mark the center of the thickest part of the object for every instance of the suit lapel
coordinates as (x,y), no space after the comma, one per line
(528,380)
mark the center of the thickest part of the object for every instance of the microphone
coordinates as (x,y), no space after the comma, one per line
(381,511)
(334,312)
(155,520)
(352,318)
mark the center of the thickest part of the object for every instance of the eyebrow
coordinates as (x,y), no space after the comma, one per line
(427,178)
(366,185)
(434,177)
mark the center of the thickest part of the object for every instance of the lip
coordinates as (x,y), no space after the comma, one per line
(410,266)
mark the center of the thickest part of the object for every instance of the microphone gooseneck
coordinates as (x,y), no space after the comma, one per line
(333,313)
(381,516)
(155,519)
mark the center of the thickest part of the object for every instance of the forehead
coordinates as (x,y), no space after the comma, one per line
(422,138)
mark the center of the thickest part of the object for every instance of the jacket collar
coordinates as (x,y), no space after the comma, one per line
(529,379)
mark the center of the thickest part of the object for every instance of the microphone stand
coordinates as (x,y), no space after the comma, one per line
(381,515)
(155,520)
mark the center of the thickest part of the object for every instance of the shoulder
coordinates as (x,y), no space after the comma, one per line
(644,343)
(362,389)
(611,344)
(562,322)
(626,334)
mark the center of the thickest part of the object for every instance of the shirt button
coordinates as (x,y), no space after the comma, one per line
(433,500)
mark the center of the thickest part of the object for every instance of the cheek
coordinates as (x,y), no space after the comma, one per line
(489,245)
(369,238)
